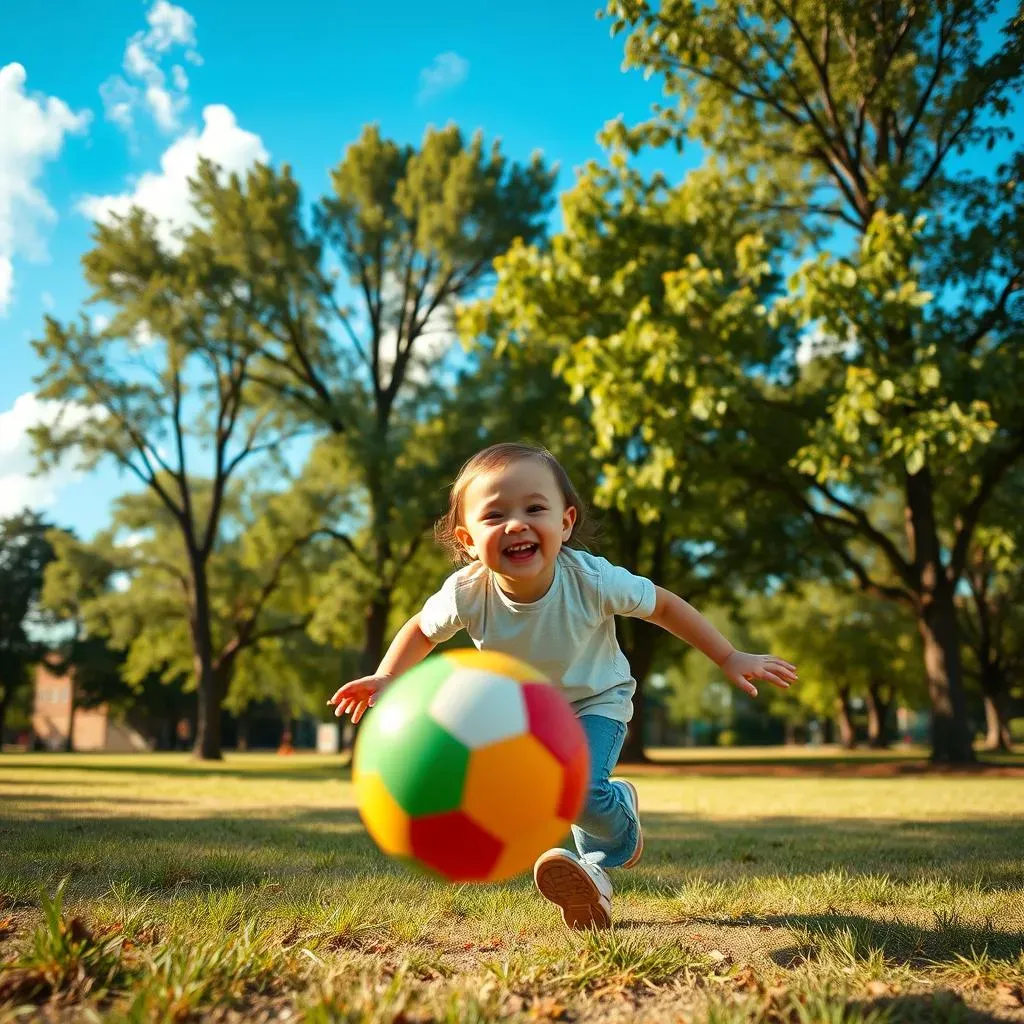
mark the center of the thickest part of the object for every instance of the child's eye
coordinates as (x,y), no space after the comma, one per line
(492,515)
(536,508)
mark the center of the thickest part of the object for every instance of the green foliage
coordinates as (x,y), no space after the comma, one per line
(844,642)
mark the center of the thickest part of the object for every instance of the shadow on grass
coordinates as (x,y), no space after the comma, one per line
(944,1006)
(853,938)
(294,770)
(979,850)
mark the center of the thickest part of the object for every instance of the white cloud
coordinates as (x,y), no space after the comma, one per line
(145,83)
(32,131)
(170,25)
(166,194)
(48,301)
(446,71)
(6,283)
(18,487)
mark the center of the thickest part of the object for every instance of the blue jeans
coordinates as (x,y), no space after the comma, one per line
(606,830)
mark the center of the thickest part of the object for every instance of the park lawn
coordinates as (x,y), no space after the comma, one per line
(248,890)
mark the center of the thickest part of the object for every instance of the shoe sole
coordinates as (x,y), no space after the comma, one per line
(639,851)
(567,884)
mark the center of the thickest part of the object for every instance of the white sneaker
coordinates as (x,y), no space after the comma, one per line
(583,890)
(631,795)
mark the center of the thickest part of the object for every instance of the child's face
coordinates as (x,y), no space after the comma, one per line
(516,521)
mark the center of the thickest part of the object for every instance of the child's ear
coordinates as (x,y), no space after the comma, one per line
(568,522)
(465,538)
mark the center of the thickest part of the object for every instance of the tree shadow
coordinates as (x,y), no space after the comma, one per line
(980,850)
(858,938)
(294,770)
(945,1006)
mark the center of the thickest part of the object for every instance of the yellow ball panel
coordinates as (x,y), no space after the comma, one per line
(512,787)
(519,854)
(495,661)
(383,818)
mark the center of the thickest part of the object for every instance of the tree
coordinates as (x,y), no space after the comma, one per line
(848,645)
(596,306)
(266,572)
(168,384)
(411,231)
(850,123)
(991,612)
(24,553)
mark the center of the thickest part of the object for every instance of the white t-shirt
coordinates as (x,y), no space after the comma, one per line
(568,634)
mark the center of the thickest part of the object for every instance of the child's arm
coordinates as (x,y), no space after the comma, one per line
(409,648)
(672,613)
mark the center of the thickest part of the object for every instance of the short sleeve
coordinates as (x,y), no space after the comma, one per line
(623,593)
(440,619)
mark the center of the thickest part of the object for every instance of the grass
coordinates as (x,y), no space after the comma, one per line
(151,888)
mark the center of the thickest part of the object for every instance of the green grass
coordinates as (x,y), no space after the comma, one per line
(143,888)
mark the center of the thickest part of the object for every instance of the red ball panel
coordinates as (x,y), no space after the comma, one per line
(574,785)
(454,846)
(551,720)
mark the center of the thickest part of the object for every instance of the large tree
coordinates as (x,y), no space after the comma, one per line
(596,307)
(266,574)
(869,127)
(992,612)
(25,551)
(167,384)
(407,232)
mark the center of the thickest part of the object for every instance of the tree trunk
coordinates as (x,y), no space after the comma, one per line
(376,628)
(938,626)
(844,724)
(208,697)
(950,735)
(6,693)
(994,695)
(878,714)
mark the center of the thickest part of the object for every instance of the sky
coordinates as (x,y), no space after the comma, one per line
(105,104)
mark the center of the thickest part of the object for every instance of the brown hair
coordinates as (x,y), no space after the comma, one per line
(497,456)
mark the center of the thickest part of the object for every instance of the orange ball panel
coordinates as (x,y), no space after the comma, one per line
(383,818)
(519,854)
(495,661)
(512,787)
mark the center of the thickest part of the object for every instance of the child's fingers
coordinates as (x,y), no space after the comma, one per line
(744,684)
(358,711)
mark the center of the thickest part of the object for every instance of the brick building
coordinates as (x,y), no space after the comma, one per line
(54,716)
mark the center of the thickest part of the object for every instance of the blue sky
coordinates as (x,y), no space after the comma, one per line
(300,80)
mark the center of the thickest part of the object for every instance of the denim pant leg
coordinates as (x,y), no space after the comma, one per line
(606,830)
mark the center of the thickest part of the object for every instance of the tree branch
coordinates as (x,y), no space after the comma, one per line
(967,518)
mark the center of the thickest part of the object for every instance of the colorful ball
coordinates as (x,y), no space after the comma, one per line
(471,764)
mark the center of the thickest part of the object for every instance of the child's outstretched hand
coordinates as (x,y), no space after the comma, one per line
(355,697)
(740,668)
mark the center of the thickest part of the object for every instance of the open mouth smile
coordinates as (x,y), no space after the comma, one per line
(521,552)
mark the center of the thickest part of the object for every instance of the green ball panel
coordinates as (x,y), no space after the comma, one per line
(407,698)
(424,768)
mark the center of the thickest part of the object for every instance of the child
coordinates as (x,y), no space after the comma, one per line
(512,517)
